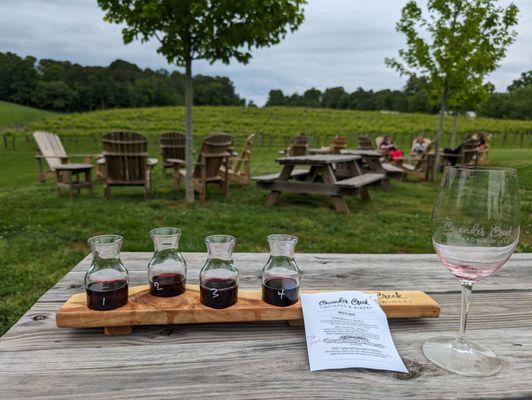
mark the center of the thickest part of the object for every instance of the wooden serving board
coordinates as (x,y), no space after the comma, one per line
(145,309)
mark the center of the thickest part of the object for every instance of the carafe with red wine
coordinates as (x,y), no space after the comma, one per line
(167,269)
(106,281)
(281,275)
(219,276)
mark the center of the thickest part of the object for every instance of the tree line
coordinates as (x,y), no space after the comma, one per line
(515,103)
(65,86)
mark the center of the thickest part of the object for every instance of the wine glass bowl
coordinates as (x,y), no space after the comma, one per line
(475,229)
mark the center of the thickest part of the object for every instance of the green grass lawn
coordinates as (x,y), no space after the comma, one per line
(14,114)
(42,236)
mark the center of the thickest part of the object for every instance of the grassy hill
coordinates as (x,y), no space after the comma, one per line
(281,121)
(14,114)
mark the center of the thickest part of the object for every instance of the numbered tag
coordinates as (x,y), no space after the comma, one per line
(214,293)
(280,293)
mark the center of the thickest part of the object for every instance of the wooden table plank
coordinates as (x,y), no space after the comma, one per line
(317,159)
(266,360)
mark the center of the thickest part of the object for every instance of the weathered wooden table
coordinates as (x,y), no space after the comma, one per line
(269,360)
(372,159)
(68,177)
(320,177)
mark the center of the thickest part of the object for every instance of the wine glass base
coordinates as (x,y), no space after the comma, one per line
(461,356)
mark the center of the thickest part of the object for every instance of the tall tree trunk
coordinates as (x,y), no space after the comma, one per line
(440,132)
(189,151)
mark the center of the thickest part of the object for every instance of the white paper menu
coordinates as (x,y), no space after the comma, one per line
(348,329)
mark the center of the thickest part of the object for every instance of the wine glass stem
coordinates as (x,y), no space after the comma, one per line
(467,287)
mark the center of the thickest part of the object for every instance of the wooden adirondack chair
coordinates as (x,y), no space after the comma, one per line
(468,154)
(173,146)
(214,152)
(422,167)
(338,144)
(239,170)
(126,161)
(364,143)
(51,150)
(298,146)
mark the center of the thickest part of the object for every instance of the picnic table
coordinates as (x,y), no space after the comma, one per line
(269,360)
(372,158)
(320,177)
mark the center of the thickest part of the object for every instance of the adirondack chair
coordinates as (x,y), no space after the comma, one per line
(239,167)
(421,167)
(467,154)
(214,152)
(364,143)
(338,144)
(51,150)
(126,161)
(172,148)
(298,146)
(173,154)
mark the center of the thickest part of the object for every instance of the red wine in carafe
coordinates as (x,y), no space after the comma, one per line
(280,291)
(218,292)
(167,284)
(107,295)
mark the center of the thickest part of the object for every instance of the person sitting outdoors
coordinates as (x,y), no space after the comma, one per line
(481,137)
(388,149)
(419,146)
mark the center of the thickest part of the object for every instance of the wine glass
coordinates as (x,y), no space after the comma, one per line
(475,229)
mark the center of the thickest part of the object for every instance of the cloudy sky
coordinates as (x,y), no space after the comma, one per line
(341,43)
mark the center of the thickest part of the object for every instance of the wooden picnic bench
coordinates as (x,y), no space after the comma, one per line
(372,160)
(319,178)
(262,360)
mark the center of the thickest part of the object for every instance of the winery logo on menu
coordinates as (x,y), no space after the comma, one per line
(344,302)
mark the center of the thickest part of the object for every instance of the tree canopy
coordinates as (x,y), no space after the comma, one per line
(66,86)
(454,45)
(213,30)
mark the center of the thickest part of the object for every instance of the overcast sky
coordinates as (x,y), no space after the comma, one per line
(340,43)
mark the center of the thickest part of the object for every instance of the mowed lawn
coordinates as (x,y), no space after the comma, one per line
(42,236)
(15,114)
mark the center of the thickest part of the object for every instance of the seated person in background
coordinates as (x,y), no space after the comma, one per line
(419,146)
(388,148)
(481,137)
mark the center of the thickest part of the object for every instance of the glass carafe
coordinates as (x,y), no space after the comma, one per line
(167,269)
(219,276)
(281,275)
(106,281)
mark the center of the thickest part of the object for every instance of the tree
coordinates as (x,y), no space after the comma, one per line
(54,95)
(331,97)
(523,81)
(454,47)
(213,30)
(276,98)
(18,78)
(312,97)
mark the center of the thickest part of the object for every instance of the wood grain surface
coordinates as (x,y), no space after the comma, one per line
(266,360)
(317,159)
(144,309)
